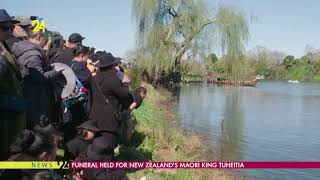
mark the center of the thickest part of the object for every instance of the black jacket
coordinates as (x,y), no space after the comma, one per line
(9,78)
(108,95)
(81,71)
(134,97)
(80,111)
(113,88)
(37,77)
(13,39)
(77,146)
(66,56)
(137,98)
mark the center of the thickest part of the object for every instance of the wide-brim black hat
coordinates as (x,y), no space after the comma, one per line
(90,125)
(106,60)
(6,19)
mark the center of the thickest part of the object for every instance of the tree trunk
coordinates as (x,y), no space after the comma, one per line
(155,79)
(187,42)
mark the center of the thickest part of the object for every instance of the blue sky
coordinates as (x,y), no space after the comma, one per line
(284,25)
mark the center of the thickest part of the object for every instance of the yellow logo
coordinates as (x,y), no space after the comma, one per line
(39,25)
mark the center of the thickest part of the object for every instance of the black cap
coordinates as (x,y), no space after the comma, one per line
(75,38)
(6,19)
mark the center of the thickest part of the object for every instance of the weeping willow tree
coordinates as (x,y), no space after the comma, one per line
(168,29)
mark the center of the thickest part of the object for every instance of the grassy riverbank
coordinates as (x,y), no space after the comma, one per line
(156,139)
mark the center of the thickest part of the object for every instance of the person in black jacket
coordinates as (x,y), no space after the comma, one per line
(108,95)
(21,30)
(138,95)
(129,121)
(79,65)
(12,104)
(79,111)
(74,42)
(37,75)
(87,131)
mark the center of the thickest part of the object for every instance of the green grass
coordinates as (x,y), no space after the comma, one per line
(316,77)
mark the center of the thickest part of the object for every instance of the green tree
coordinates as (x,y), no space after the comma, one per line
(213,58)
(288,61)
(167,29)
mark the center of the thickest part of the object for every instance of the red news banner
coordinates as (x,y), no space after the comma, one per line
(193,165)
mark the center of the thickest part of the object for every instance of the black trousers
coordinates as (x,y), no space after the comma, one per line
(102,149)
(74,117)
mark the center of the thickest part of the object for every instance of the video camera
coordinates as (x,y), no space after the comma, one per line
(32,18)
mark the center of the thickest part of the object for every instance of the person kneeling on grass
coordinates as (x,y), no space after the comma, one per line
(137,97)
(87,131)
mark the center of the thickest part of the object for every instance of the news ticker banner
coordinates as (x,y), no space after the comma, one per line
(156,165)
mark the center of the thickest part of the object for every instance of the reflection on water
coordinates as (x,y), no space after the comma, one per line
(276,121)
(231,131)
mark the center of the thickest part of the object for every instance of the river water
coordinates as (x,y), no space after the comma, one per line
(274,121)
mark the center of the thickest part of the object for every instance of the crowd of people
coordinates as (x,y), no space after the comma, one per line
(38,123)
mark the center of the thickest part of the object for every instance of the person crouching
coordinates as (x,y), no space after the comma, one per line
(87,131)
(138,96)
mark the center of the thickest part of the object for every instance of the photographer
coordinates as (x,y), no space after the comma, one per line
(21,30)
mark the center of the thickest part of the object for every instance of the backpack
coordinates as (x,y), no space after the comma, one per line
(79,95)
